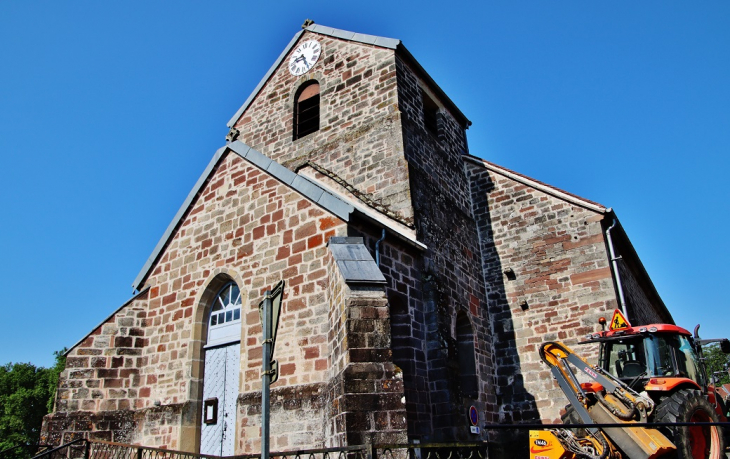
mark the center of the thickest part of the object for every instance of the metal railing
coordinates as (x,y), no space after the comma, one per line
(95,449)
(431,451)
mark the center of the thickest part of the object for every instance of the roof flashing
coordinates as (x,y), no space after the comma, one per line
(354,261)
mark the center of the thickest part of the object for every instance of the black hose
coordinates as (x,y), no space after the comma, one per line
(616,411)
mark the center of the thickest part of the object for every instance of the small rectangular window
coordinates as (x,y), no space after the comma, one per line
(430,114)
(229,316)
(236,314)
(210,412)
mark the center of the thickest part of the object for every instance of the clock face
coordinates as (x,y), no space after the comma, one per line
(304,57)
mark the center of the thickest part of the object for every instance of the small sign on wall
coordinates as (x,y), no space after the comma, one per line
(210,411)
(474,419)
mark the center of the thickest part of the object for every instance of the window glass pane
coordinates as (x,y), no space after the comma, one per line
(214,319)
(225,296)
(229,316)
(236,314)
(235,296)
(660,353)
(626,359)
(686,362)
(221,317)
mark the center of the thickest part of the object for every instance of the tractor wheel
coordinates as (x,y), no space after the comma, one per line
(701,442)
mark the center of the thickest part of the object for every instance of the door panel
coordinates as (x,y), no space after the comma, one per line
(221,382)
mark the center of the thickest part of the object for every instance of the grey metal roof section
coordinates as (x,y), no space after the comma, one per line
(354,261)
(302,185)
(384,42)
(134,297)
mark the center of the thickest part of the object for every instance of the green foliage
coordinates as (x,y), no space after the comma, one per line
(53,373)
(717,362)
(26,395)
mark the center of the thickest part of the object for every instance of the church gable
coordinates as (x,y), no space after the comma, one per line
(358,141)
(243,225)
(261,231)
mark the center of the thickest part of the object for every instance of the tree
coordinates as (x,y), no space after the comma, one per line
(717,362)
(27,394)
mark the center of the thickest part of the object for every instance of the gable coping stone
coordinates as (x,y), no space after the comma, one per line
(308,189)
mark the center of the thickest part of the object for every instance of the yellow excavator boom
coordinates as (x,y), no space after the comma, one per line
(604,401)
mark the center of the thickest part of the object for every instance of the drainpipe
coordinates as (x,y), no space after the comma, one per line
(614,265)
(377,248)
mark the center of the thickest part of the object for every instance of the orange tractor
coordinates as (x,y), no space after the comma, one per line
(652,374)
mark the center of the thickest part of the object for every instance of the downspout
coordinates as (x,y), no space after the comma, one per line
(614,265)
(377,248)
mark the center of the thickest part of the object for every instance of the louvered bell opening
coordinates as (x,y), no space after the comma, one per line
(306,116)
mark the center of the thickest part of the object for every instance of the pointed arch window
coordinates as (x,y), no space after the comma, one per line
(306,109)
(224,323)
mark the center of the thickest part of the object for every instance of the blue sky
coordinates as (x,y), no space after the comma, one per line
(109,112)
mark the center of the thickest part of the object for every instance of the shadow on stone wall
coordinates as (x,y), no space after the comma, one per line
(514,403)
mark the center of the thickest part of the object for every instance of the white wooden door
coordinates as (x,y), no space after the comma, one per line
(221,383)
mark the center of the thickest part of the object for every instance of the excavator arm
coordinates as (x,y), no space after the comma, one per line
(604,400)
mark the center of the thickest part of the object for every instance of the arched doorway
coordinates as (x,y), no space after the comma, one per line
(220,378)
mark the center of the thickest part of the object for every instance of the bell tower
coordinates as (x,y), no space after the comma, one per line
(359,115)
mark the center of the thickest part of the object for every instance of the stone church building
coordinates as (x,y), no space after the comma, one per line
(420,279)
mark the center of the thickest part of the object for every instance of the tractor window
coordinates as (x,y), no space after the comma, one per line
(687,361)
(660,356)
(626,359)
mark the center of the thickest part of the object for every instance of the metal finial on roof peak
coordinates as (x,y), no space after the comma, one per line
(307,23)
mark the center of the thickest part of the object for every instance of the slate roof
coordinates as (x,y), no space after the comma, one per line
(383,42)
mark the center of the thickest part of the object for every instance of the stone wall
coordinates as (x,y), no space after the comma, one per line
(102,380)
(548,278)
(449,274)
(373,143)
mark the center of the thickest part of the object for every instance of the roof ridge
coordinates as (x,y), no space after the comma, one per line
(542,186)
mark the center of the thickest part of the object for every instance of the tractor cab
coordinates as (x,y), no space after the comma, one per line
(651,357)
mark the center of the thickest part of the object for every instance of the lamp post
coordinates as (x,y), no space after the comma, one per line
(269,309)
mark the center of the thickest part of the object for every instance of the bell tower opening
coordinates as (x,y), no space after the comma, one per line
(306,109)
